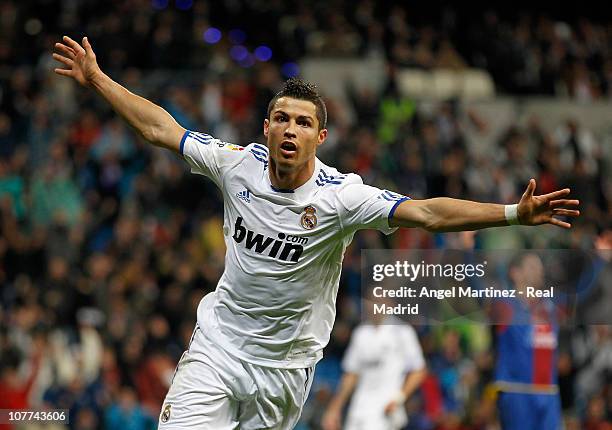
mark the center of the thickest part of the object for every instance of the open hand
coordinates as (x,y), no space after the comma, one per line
(536,210)
(80,61)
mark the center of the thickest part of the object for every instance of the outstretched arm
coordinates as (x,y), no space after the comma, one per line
(446,214)
(152,122)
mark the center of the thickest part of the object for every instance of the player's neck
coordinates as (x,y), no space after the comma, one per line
(290,179)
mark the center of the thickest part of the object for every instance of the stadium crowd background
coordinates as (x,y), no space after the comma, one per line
(107,244)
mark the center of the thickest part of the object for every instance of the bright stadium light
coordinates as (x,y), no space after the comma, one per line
(290,69)
(263,53)
(212,35)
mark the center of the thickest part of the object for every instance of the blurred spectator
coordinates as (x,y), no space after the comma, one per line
(15,386)
(125,413)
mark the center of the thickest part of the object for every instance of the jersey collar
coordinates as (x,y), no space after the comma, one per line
(301,192)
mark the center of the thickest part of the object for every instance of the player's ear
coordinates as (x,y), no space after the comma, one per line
(266,127)
(322,136)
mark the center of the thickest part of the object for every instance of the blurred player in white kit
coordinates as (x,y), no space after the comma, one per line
(383,366)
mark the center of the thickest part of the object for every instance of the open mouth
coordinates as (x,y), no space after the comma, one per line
(288,148)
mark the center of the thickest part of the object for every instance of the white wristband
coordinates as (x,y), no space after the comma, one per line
(400,398)
(511,212)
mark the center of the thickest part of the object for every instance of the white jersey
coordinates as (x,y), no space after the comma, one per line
(381,355)
(275,302)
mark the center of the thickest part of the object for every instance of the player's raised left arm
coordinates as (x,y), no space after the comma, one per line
(446,214)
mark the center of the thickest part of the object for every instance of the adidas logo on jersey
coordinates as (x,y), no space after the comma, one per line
(244,195)
(286,248)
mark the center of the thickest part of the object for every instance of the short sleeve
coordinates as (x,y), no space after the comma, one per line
(363,206)
(209,156)
(351,362)
(413,354)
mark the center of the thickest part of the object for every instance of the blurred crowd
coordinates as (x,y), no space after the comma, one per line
(526,48)
(108,244)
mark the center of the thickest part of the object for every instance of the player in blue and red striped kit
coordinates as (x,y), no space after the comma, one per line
(526,368)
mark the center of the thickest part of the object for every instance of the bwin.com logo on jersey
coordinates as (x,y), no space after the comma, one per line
(244,196)
(285,247)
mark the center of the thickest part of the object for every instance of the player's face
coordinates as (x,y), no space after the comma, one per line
(530,273)
(293,133)
(533,270)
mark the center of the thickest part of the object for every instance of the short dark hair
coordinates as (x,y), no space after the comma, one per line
(299,89)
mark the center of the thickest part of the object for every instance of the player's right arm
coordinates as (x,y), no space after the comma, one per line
(152,122)
(333,414)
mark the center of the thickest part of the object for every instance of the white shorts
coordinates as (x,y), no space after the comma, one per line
(214,390)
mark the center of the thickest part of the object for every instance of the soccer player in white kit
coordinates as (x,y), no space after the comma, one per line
(287,221)
(383,365)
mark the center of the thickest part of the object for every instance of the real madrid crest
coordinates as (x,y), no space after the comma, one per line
(309,219)
(166,414)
